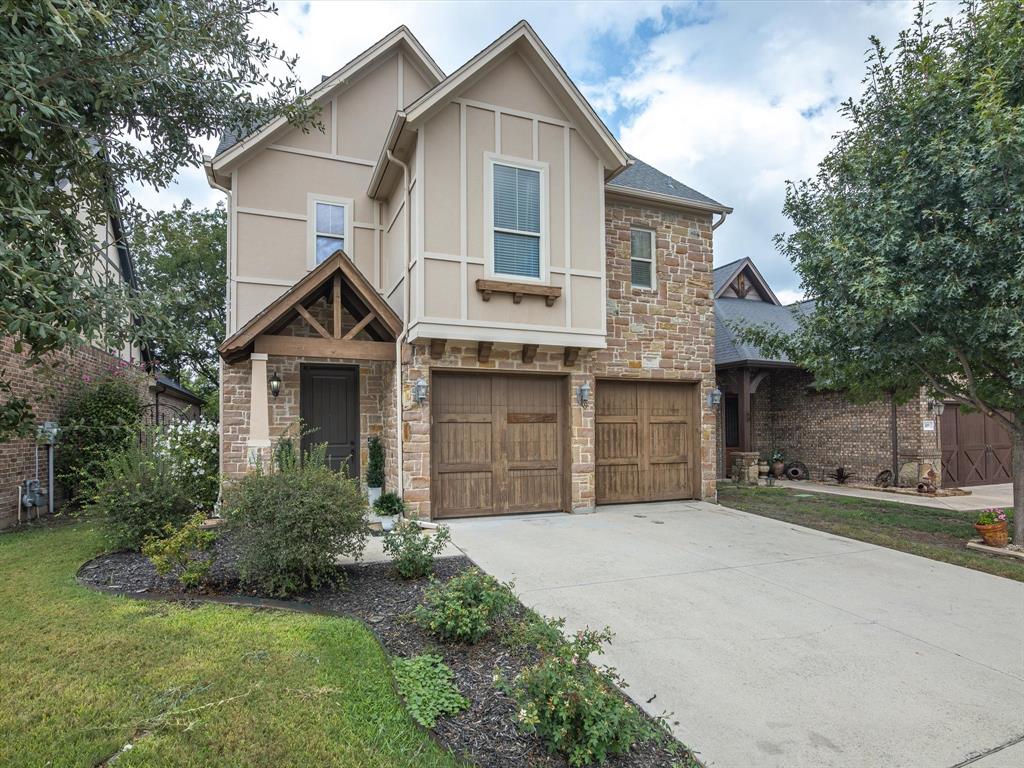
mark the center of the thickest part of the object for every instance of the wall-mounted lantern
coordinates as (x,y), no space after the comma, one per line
(714,398)
(936,407)
(419,391)
(275,384)
(583,394)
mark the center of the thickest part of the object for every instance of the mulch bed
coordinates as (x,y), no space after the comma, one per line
(485,735)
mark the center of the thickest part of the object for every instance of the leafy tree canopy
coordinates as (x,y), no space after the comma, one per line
(910,239)
(180,255)
(100,94)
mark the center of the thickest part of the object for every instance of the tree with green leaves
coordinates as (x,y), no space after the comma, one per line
(180,255)
(98,95)
(910,239)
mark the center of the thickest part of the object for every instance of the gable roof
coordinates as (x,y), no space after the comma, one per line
(643,178)
(725,274)
(523,38)
(235,142)
(282,311)
(730,349)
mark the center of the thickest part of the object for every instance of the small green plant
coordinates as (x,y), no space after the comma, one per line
(285,458)
(534,631)
(412,552)
(425,682)
(576,708)
(137,496)
(389,503)
(183,549)
(463,609)
(375,463)
(842,475)
(777,456)
(991,516)
(294,524)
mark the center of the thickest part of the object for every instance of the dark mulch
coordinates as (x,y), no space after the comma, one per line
(485,735)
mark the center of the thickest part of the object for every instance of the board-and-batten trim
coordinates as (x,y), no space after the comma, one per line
(297,216)
(322,155)
(233,258)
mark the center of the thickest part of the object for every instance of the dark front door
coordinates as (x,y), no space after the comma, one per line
(329,407)
(731,417)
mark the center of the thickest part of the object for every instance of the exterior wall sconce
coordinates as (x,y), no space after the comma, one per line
(419,391)
(583,394)
(275,384)
(714,398)
(936,407)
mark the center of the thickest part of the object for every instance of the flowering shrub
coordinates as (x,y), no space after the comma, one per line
(190,448)
(462,609)
(992,516)
(100,417)
(576,707)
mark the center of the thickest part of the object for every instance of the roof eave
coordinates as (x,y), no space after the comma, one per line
(657,197)
(383,161)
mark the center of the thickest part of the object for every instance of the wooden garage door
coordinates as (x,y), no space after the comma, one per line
(497,444)
(647,438)
(975,448)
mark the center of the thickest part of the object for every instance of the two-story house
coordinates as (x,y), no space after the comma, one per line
(471,267)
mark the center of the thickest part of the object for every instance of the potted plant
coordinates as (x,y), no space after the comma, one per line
(762,468)
(991,525)
(778,464)
(388,507)
(374,470)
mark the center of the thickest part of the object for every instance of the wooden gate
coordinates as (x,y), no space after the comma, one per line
(975,448)
(647,437)
(497,444)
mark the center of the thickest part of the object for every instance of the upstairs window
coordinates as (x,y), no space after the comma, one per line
(330,228)
(518,219)
(641,258)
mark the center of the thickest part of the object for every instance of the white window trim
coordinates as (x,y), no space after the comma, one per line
(490,159)
(312,198)
(654,259)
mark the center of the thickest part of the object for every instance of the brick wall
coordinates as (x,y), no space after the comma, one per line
(45,386)
(825,430)
(671,328)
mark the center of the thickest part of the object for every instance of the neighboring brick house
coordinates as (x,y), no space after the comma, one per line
(46,386)
(544,298)
(771,404)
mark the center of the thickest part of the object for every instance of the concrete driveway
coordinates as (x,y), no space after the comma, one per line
(776,645)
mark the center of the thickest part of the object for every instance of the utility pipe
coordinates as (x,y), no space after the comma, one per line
(400,469)
(720,222)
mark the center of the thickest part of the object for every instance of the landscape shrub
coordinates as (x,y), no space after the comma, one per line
(137,496)
(389,503)
(425,682)
(183,549)
(463,609)
(292,524)
(375,463)
(100,417)
(576,708)
(534,632)
(412,552)
(191,448)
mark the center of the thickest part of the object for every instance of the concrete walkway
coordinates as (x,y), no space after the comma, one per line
(776,645)
(980,496)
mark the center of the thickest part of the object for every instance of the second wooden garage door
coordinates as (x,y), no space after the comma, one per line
(647,437)
(497,444)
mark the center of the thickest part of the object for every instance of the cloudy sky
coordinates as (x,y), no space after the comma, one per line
(732,98)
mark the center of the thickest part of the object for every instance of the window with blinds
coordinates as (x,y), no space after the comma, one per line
(517,221)
(641,258)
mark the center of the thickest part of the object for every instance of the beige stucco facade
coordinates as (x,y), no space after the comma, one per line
(415,176)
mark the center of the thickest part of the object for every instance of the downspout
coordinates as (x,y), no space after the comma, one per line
(720,222)
(400,468)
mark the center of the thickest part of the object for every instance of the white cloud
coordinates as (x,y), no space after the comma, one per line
(719,104)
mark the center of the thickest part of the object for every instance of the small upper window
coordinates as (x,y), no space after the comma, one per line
(641,258)
(517,221)
(329,229)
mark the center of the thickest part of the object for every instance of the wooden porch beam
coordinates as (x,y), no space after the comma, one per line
(309,346)
(314,323)
(744,409)
(337,305)
(370,317)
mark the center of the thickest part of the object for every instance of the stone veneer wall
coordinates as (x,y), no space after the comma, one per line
(825,430)
(667,333)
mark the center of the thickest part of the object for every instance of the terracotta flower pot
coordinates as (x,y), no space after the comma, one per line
(778,468)
(994,535)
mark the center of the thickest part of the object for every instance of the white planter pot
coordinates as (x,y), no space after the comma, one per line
(372,494)
(387,522)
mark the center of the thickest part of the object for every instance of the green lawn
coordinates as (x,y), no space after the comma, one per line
(82,673)
(936,533)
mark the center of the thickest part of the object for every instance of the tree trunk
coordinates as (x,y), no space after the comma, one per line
(1017,461)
